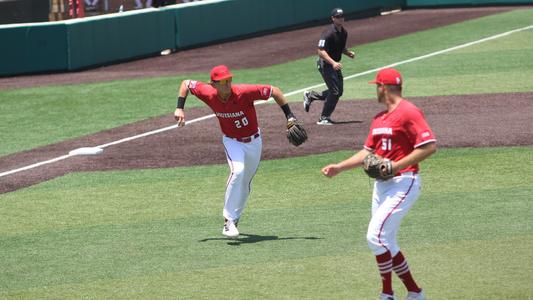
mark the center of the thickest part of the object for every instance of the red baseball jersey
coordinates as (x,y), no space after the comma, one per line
(237,115)
(394,135)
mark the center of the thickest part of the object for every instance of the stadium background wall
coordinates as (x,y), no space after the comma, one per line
(20,11)
(100,40)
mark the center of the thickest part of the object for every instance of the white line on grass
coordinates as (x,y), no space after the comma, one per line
(287,95)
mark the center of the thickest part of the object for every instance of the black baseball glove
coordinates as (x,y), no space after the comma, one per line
(295,132)
(377,167)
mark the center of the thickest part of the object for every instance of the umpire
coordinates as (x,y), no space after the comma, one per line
(331,46)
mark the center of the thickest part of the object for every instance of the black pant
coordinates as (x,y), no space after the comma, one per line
(335,83)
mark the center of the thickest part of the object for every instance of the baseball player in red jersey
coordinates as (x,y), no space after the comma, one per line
(233,105)
(402,135)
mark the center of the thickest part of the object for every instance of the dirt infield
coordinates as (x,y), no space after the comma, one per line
(458,121)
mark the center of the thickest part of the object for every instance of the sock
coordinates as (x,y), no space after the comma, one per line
(401,268)
(385,270)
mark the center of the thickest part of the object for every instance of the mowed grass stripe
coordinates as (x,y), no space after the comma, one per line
(115,251)
(109,198)
(482,266)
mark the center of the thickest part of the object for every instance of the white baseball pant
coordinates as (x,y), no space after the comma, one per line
(243,160)
(391,201)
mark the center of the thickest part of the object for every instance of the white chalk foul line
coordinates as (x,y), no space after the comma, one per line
(287,95)
(35,165)
(153,132)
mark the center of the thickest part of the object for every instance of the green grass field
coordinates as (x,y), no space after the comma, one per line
(137,234)
(152,234)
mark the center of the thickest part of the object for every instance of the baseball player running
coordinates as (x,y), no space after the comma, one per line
(233,105)
(401,136)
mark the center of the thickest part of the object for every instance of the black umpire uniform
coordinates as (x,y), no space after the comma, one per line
(333,42)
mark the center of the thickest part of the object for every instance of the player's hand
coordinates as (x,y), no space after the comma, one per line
(331,170)
(350,54)
(337,66)
(179,115)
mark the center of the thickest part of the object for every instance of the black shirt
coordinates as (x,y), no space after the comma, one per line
(333,41)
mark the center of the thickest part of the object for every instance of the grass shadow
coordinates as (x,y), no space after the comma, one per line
(254,238)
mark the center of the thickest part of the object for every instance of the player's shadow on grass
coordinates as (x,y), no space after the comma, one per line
(254,238)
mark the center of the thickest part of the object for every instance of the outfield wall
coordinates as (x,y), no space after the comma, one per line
(80,43)
(33,47)
(116,37)
(198,24)
(93,41)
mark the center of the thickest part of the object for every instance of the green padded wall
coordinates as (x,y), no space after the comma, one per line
(199,23)
(31,48)
(120,36)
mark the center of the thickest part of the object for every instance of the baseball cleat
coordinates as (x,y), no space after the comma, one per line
(415,296)
(307,101)
(386,297)
(230,229)
(325,121)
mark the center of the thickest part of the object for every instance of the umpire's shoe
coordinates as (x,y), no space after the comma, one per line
(230,229)
(325,121)
(307,101)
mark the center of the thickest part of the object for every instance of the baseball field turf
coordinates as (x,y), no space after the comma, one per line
(155,233)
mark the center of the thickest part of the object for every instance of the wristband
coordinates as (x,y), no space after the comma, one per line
(181,102)
(287,111)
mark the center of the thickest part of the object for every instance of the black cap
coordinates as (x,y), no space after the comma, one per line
(337,12)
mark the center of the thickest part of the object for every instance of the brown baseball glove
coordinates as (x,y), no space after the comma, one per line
(377,167)
(295,132)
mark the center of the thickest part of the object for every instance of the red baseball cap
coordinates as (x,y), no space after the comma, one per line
(220,72)
(388,76)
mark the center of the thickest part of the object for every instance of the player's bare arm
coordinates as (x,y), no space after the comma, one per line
(278,96)
(325,56)
(280,99)
(183,92)
(418,155)
(353,162)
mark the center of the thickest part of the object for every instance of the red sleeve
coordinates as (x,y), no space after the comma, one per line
(199,89)
(418,128)
(254,92)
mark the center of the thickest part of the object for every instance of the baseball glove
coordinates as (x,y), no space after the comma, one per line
(295,132)
(377,167)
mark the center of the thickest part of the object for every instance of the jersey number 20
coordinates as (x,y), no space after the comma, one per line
(242,122)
